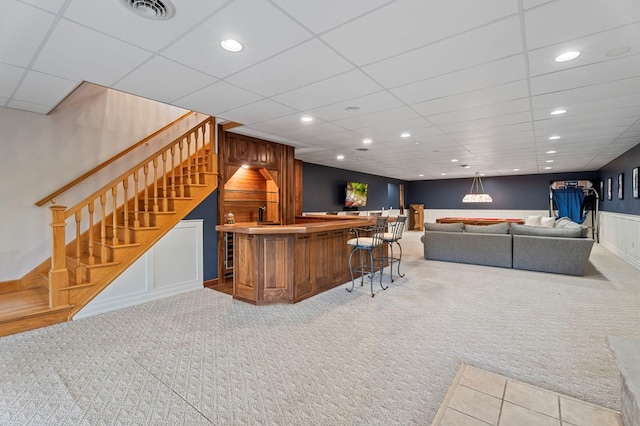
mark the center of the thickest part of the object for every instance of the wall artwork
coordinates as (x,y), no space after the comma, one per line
(635,182)
(609,188)
(620,189)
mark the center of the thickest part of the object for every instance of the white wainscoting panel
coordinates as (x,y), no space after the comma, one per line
(620,233)
(173,265)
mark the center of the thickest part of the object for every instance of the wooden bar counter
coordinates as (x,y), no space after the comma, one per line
(289,263)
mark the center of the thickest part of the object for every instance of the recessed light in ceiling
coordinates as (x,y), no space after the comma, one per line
(455,160)
(416,143)
(231,45)
(567,56)
(482,174)
(443,174)
(340,157)
(554,137)
(366,141)
(618,51)
(306,119)
(151,9)
(551,152)
(558,111)
(548,168)
(405,135)
(465,166)
(549,161)
(352,108)
(420,175)
(516,170)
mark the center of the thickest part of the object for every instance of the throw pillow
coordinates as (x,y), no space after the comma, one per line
(498,228)
(444,227)
(547,222)
(533,220)
(539,231)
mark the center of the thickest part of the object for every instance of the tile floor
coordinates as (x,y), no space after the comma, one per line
(479,398)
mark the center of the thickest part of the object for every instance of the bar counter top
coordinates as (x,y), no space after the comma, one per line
(311,226)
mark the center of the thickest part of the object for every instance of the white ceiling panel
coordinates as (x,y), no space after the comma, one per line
(408,24)
(262,28)
(486,44)
(26,24)
(483,76)
(453,74)
(548,24)
(149,80)
(44,89)
(78,53)
(327,14)
(349,85)
(258,111)
(304,64)
(217,98)
(9,78)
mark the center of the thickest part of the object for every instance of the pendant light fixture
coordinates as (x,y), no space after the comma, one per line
(477,196)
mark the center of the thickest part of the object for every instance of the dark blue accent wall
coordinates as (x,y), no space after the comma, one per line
(524,192)
(324,188)
(623,164)
(208,210)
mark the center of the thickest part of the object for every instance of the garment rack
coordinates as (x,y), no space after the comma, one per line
(590,206)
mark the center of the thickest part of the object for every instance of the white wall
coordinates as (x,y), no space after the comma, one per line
(620,233)
(41,153)
(173,265)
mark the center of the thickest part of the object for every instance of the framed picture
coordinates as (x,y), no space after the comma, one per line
(602,190)
(620,189)
(635,182)
(609,188)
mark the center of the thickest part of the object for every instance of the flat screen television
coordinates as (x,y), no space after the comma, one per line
(356,194)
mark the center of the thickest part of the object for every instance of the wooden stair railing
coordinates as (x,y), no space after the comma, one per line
(115,225)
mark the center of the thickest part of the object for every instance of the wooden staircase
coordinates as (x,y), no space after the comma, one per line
(150,198)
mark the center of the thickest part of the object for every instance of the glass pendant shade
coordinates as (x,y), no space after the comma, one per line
(476,193)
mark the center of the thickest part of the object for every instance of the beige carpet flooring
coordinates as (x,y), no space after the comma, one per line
(336,359)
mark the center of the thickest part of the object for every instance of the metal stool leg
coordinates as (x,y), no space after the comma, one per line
(399,258)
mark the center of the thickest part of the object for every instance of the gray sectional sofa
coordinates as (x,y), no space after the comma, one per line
(533,248)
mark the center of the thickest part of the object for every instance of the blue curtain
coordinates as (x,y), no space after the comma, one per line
(569,203)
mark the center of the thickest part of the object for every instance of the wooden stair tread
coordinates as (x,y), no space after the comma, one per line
(26,303)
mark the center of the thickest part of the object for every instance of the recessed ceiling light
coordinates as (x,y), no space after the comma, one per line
(405,135)
(340,157)
(618,51)
(366,141)
(549,161)
(231,45)
(551,152)
(482,174)
(516,170)
(558,111)
(352,108)
(151,9)
(567,56)
(420,175)
(554,137)
(455,160)
(465,166)
(443,174)
(548,168)
(416,143)
(306,119)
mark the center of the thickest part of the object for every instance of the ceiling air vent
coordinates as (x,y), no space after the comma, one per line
(151,9)
(362,149)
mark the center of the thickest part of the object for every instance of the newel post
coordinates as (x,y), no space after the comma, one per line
(58,274)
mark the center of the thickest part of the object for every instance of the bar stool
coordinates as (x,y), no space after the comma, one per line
(368,243)
(392,237)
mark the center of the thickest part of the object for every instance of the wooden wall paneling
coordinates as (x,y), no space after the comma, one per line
(303,281)
(278,279)
(320,257)
(245,283)
(297,187)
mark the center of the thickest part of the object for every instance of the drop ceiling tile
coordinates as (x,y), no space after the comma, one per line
(491,122)
(405,25)
(306,132)
(368,104)
(587,121)
(483,76)
(50,5)
(582,113)
(256,112)
(217,98)
(377,118)
(38,88)
(349,85)
(26,24)
(304,64)
(593,49)
(602,72)
(248,131)
(261,27)
(9,78)
(27,106)
(587,94)
(547,25)
(327,14)
(487,111)
(461,134)
(78,53)
(528,4)
(281,124)
(151,79)
(491,42)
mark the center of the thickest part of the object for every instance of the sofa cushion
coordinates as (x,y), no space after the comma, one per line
(533,220)
(497,228)
(547,222)
(539,231)
(444,227)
